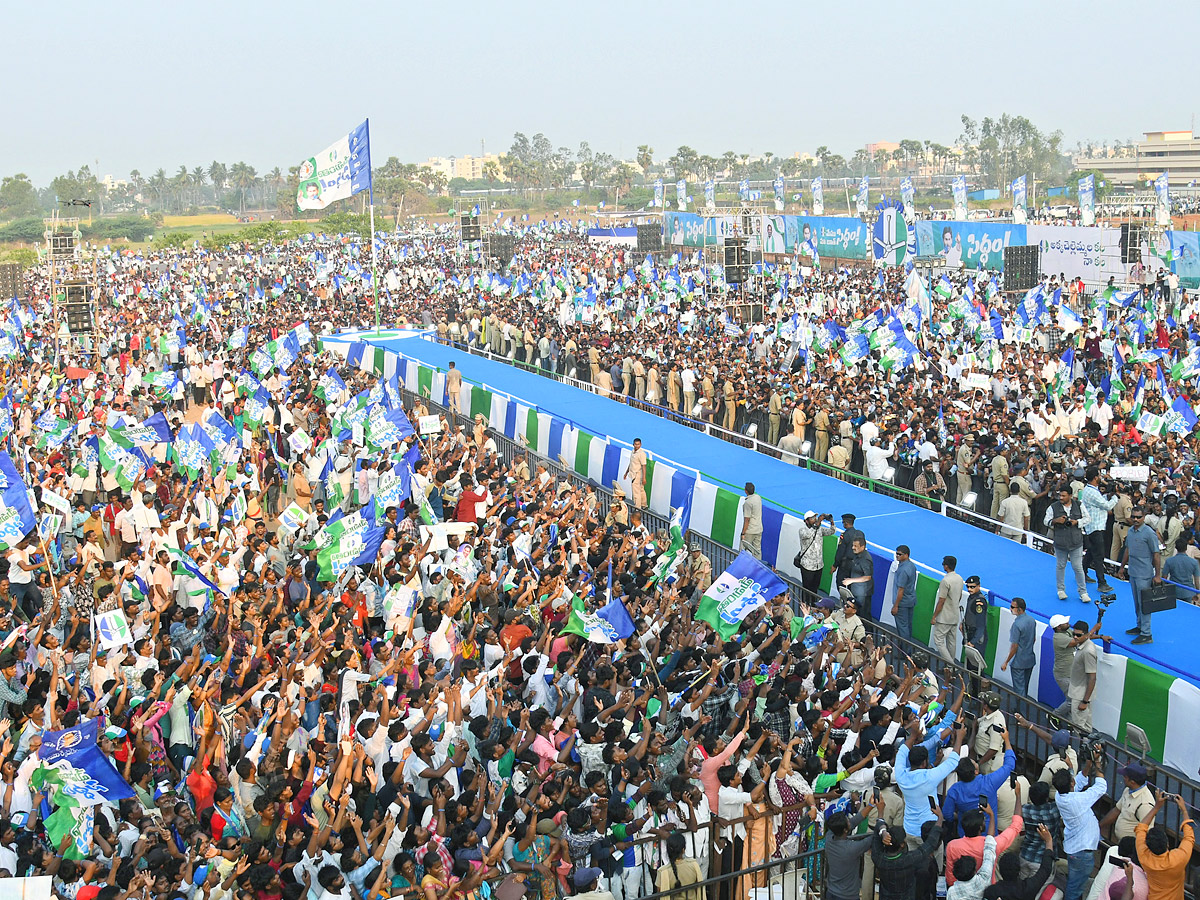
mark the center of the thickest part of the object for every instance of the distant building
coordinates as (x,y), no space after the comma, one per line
(469,167)
(1174,152)
(111,184)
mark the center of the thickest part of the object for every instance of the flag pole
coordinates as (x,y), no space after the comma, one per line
(371,206)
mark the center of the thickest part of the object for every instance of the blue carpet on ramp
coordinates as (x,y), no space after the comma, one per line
(1003,566)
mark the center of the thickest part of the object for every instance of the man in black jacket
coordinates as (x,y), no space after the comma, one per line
(895,866)
(1068,518)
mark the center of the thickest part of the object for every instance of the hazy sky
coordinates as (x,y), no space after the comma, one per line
(143,85)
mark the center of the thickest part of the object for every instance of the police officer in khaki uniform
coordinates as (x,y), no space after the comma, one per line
(729,397)
(999,471)
(988,746)
(618,511)
(774,415)
(639,379)
(699,568)
(965,460)
(1019,481)
(674,389)
(821,421)
(709,390)
(838,456)
(1121,521)
(529,345)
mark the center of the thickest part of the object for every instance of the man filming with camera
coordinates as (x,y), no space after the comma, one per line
(814,528)
(1081,829)
(930,484)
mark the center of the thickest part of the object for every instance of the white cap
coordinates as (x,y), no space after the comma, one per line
(809,514)
(1055,621)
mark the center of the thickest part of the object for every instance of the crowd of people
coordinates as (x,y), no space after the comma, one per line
(325,658)
(1002,401)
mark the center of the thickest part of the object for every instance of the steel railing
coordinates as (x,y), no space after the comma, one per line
(799,877)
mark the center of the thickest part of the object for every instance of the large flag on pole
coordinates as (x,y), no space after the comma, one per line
(340,170)
(741,589)
(74,776)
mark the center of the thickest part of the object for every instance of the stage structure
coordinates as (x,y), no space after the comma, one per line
(738,250)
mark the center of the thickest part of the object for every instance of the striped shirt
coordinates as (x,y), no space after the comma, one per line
(1097,508)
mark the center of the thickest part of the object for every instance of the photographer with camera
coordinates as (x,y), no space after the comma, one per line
(813,530)
(1062,754)
(1165,868)
(1075,798)
(1068,518)
(930,484)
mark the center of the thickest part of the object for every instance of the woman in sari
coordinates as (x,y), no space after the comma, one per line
(535,853)
(789,788)
(437,883)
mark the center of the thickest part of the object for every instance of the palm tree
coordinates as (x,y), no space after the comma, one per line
(197,178)
(180,184)
(218,174)
(243,179)
(623,176)
(861,160)
(158,184)
(645,157)
(275,177)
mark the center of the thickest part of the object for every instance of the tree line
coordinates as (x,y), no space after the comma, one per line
(991,150)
